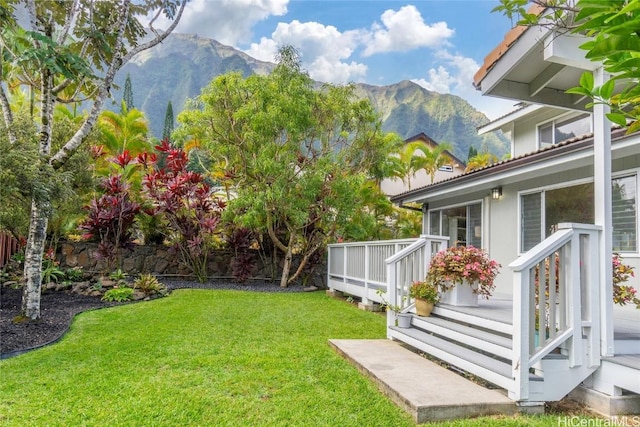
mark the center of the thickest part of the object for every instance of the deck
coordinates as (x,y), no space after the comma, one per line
(626,326)
(555,289)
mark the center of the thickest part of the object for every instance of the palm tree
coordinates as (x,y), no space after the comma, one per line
(432,159)
(407,162)
(481,160)
(124,131)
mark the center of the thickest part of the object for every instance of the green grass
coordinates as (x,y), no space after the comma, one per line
(207,358)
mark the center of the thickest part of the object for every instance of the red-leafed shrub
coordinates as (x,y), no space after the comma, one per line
(111,216)
(187,204)
(244,262)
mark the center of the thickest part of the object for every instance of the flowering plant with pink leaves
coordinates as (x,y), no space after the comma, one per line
(623,294)
(463,264)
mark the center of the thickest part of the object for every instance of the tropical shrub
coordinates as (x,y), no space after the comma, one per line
(111,217)
(118,275)
(243,264)
(149,285)
(119,294)
(51,271)
(74,274)
(187,204)
(623,294)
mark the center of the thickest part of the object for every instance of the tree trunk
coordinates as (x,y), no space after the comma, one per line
(40,211)
(33,260)
(286,267)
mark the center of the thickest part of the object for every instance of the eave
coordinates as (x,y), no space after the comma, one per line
(570,154)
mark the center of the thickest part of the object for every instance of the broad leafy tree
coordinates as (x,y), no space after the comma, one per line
(297,155)
(68,52)
(614,26)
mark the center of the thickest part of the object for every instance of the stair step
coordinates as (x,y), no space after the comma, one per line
(458,314)
(470,336)
(467,354)
(486,367)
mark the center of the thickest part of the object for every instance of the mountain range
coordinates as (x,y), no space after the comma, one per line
(184,64)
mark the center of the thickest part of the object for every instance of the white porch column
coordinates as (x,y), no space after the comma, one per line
(603,213)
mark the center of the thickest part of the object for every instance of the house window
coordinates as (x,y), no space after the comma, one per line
(625,214)
(541,212)
(560,130)
(462,224)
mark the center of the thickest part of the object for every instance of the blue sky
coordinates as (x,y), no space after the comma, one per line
(438,44)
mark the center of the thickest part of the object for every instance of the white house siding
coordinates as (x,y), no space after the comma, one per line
(504,228)
(526,130)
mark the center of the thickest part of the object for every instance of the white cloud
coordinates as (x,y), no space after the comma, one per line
(324,50)
(337,72)
(405,30)
(227,21)
(327,53)
(455,76)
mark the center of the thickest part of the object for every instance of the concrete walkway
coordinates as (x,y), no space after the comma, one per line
(425,389)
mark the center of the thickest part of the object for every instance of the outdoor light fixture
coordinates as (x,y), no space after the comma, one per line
(496,193)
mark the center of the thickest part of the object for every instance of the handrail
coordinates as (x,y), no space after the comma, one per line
(415,246)
(552,243)
(542,250)
(372,243)
(564,269)
(407,266)
(358,268)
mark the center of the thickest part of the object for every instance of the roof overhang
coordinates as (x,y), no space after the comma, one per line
(556,159)
(507,119)
(538,67)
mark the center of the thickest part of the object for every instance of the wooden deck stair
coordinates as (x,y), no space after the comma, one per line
(483,347)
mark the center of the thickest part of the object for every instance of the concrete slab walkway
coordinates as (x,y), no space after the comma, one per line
(425,389)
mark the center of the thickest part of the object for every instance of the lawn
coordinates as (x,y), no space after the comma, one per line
(207,358)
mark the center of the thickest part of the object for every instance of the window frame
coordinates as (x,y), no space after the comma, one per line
(635,172)
(553,122)
(466,205)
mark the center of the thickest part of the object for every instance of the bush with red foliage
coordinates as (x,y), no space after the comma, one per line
(186,203)
(111,216)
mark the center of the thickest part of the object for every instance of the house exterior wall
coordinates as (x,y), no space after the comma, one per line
(503,239)
(391,187)
(525,131)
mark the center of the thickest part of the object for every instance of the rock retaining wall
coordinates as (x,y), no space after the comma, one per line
(160,261)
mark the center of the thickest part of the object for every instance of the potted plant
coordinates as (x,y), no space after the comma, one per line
(462,273)
(426,295)
(403,320)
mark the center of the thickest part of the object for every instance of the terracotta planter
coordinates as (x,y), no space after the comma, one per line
(423,307)
(460,295)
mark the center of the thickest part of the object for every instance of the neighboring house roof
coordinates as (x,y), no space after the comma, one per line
(509,39)
(426,138)
(568,146)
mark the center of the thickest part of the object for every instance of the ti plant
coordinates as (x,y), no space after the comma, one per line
(187,204)
(111,216)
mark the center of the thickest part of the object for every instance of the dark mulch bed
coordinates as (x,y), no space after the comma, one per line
(57,309)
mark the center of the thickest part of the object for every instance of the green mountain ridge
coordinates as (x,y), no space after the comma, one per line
(183,64)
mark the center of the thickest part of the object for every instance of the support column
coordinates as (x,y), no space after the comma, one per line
(603,213)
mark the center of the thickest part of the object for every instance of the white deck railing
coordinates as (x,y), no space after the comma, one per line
(359,269)
(556,294)
(407,266)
